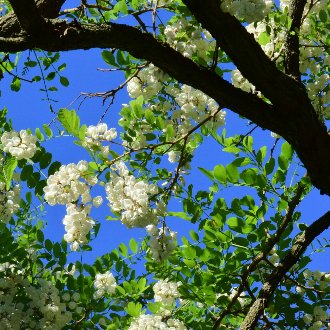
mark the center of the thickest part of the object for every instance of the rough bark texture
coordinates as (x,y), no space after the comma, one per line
(288,112)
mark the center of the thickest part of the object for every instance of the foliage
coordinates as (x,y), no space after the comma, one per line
(247,260)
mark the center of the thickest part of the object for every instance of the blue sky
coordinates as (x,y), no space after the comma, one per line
(28,111)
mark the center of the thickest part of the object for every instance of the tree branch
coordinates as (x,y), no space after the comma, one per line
(301,242)
(28,16)
(308,135)
(48,9)
(293,203)
(291,48)
(243,50)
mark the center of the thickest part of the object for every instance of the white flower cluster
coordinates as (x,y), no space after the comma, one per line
(173,156)
(9,201)
(166,293)
(148,82)
(249,10)
(95,135)
(155,322)
(273,47)
(195,106)
(77,225)
(240,82)
(23,306)
(21,145)
(131,198)
(319,319)
(189,39)
(162,242)
(64,186)
(105,284)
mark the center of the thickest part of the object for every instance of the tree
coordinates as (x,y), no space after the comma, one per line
(245,263)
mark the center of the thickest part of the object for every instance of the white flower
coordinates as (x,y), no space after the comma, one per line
(166,293)
(173,156)
(21,145)
(162,242)
(77,225)
(148,82)
(97,201)
(9,201)
(95,135)
(155,322)
(131,198)
(104,284)
(65,185)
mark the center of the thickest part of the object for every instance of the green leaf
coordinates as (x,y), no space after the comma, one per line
(50,76)
(26,172)
(9,168)
(261,154)
(15,84)
(45,160)
(239,225)
(39,135)
(108,58)
(194,235)
(208,173)
(170,133)
(287,151)
(70,121)
(264,38)
(219,172)
(54,167)
(323,16)
(40,236)
(133,309)
(181,215)
(189,252)
(269,166)
(47,130)
(64,81)
(232,173)
(133,245)
(249,176)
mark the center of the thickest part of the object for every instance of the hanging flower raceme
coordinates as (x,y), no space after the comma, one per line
(21,145)
(104,284)
(66,186)
(130,197)
(77,225)
(162,242)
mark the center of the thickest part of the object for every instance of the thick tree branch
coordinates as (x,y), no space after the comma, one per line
(301,126)
(28,16)
(143,45)
(291,48)
(301,242)
(244,51)
(291,114)
(9,26)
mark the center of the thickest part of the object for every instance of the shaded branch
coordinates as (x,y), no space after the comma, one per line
(291,44)
(28,16)
(301,242)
